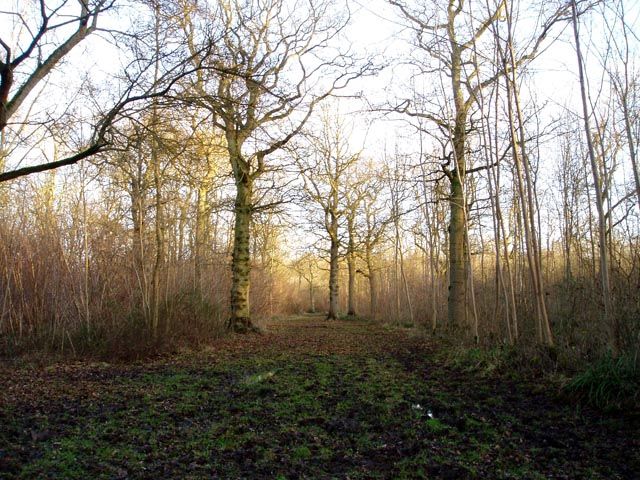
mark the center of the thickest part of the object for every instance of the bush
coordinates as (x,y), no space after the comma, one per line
(186,320)
(609,384)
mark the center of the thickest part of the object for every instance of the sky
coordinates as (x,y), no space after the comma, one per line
(375,29)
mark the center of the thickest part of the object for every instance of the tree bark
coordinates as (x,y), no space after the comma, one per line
(351,267)
(240,319)
(333,270)
(457,302)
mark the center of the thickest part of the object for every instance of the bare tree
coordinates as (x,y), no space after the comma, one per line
(211,154)
(599,197)
(396,181)
(325,172)
(452,47)
(270,64)
(27,65)
(46,46)
(306,266)
(449,38)
(375,219)
(626,84)
(359,186)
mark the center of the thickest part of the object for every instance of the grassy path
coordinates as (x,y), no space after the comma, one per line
(308,399)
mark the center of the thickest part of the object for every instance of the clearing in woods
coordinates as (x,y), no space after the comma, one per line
(308,399)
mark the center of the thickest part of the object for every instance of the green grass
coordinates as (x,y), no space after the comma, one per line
(484,361)
(609,384)
(304,416)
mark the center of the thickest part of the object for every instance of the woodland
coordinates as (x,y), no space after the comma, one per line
(319,239)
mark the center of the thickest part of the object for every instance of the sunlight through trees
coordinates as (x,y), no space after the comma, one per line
(469,169)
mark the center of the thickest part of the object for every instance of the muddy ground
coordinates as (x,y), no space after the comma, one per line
(306,399)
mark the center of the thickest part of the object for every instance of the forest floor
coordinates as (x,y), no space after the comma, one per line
(307,399)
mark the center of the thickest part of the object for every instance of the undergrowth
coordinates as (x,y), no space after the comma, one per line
(522,361)
(609,383)
(186,320)
(484,361)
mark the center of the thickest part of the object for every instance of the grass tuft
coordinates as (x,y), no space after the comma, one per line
(484,361)
(609,384)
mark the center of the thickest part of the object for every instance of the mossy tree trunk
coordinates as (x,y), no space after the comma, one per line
(333,268)
(457,301)
(240,315)
(254,74)
(240,318)
(351,266)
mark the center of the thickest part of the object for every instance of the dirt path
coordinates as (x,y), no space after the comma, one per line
(307,399)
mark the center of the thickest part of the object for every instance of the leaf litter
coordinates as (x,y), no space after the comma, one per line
(306,399)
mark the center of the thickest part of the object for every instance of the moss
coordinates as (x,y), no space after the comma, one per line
(277,414)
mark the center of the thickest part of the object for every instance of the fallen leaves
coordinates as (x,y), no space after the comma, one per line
(306,399)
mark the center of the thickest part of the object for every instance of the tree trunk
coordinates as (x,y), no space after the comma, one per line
(240,319)
(139,227)
(201,237)
(610,319)
(312,298)
(373,288)
(351,267)
(457,303)
(159,271)
(333,276)
(405,283)
(373,295)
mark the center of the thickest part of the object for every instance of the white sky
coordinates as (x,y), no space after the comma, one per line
(375,29)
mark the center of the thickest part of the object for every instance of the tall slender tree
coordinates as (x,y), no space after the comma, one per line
(449,41)
(610,319)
